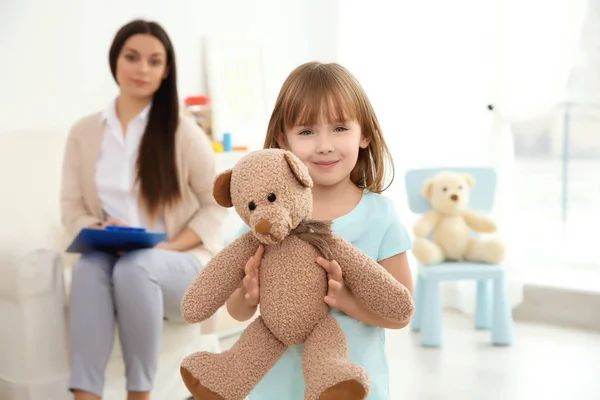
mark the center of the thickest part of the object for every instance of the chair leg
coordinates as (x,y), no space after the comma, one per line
(431,317)
(503,326)
(483,311)
(419,294)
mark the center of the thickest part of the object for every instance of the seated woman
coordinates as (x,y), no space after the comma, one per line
(137,163)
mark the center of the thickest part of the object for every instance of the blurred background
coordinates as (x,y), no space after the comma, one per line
(431,69)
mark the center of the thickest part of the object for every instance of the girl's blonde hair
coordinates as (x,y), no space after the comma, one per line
(315,88)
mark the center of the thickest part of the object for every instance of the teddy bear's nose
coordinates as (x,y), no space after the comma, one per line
(263,227)
(454,197)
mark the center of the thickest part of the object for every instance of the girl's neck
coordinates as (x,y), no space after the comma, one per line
(332,202)
(128,108)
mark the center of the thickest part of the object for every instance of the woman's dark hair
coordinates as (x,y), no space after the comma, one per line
(156,163)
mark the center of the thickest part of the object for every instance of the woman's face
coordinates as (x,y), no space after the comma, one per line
(141,66)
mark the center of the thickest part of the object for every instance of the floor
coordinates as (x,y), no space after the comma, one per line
(545,362)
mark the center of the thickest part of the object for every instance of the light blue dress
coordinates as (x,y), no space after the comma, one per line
(374,227)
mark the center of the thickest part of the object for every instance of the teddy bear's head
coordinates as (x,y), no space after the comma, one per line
(270,190)
(448,192)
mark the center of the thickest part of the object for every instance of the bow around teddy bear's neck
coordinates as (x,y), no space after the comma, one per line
(316,233)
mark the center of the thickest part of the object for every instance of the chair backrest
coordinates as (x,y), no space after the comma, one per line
(482,193)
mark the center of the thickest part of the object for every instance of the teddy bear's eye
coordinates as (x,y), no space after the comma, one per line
(271,197)
(252,206)
(445,189)
(460,187)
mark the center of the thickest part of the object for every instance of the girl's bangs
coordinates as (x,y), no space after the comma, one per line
(320,101)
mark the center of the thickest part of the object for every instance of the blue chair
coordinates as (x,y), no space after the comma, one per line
(493,310)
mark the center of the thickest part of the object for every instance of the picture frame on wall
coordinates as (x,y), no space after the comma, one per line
(236,85)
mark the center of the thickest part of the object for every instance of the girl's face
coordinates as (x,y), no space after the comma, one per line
(329,149)
(141,66)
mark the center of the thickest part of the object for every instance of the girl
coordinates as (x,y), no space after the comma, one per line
(324,117)
(136,163)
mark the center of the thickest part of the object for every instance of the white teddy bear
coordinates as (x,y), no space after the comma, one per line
(449,224)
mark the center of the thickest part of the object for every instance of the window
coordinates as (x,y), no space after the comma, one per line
(557,172)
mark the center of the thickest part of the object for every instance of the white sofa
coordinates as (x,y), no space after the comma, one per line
(34,281)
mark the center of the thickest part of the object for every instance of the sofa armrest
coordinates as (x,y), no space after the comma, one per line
(33,274)
(33,328)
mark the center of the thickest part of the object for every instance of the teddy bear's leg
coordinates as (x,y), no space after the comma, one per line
(328,372)
(232,375)
(427,252)
(486,251)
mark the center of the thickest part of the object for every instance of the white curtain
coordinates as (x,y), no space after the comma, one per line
(432,67)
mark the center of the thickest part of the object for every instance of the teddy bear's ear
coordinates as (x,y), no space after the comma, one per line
(470,180)
(299,170)
(222,189)
(427,188)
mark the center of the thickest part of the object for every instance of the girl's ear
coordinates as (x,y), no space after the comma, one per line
(364,142)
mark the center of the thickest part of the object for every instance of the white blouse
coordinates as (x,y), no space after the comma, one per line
(116,169)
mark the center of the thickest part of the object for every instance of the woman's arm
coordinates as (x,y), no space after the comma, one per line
(74,215)
(187,239)
(205,226)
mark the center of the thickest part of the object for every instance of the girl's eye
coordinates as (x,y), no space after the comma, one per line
(305,132)
(340,129)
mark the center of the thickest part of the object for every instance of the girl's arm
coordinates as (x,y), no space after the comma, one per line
(392,256)
(241,306)
(238,306)
(218,280)
(340,297)
(398,267)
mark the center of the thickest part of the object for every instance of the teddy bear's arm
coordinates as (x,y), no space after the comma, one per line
(221,276)
(479,222)
(426,223)
(372,284)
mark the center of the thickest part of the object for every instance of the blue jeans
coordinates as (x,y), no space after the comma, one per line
(137,291)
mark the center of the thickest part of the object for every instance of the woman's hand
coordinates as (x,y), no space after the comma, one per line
(114,222)
(164,246)
(338,295)
(251,279)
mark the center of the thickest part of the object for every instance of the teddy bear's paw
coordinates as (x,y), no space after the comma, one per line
(345,390)
(427,252)
(337,381)
(487,251)
(496,252)
(199,391)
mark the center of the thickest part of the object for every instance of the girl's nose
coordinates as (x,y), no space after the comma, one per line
(325,145)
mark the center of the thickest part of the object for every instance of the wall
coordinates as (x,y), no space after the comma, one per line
(429,69)
(55,54)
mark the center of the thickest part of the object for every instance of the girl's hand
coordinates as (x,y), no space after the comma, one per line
(250,281)
(338,295)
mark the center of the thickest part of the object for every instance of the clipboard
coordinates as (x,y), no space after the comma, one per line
(114,239)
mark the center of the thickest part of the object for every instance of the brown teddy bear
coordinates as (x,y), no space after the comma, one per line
(450,221)
(271,191)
